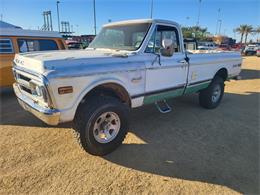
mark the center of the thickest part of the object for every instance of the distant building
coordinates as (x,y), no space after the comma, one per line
(219,39)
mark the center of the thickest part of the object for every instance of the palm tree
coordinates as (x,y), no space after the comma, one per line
(257,30)
(249,29)
(241,30)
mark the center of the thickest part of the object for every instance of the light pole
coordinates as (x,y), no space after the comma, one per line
(198,22)
(220,23)
(95,22)
(218,20)
(58,14)
(151,15)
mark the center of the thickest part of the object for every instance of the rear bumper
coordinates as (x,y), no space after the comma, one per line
(47,115)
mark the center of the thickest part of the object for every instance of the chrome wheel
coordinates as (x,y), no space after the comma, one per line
(216,93)
(106,127)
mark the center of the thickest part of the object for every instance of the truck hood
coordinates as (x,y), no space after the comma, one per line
(45,62)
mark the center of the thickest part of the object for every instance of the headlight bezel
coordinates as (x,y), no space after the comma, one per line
(39,91)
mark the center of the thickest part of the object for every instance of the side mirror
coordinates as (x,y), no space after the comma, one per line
(167,48)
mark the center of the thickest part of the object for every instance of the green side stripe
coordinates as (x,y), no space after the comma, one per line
(174,93)
(165,95)
(194,89)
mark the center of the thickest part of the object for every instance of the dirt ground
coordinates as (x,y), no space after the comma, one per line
(188,151)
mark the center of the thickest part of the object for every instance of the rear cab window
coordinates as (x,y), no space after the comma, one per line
(6,46)
(29,45)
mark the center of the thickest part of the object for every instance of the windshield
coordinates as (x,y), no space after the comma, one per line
(121,37)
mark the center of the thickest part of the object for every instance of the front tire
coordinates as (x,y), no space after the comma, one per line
(211,97)
(101,124)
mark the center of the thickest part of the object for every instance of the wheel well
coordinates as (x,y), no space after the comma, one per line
(110,89)
(223,73)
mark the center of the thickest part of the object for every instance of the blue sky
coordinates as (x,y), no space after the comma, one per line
(28,13)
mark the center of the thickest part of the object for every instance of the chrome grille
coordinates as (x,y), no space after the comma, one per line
(23,82)
(32,86)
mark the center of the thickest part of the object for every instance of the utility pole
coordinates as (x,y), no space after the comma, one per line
(218,20)
(220,23)
(95,22)
(58,14)
(198,22)
(151,15)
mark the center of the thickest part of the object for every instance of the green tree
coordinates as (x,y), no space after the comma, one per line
(195,31)
(249,29)
(257,31)
(241,30)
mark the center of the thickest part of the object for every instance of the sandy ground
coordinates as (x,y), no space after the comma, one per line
(188,151)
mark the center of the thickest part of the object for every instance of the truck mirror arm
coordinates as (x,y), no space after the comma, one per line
(155,59)
(187,59)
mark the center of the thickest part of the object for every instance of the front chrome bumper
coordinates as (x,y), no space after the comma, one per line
(47,115)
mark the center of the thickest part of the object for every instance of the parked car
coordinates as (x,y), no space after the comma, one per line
(14,40)
(71,44)
(128,65)
(250,49)
(258,53)
(224,47)
(207,45)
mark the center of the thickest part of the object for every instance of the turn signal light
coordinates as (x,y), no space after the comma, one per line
(65,90)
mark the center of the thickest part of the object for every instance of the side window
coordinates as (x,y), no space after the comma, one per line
(45,45)
(22,44)
(29,45)
(6,46)
(163,32)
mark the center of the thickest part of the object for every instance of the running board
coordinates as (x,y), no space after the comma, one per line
(163,106)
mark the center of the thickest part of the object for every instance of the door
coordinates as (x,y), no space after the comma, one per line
(166,75)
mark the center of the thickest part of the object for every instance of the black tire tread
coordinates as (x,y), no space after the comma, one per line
(85,112)
(205,95)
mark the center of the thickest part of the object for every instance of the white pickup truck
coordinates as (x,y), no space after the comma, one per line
(129,64)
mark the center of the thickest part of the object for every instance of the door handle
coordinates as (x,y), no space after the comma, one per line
(136,79)
(182,61)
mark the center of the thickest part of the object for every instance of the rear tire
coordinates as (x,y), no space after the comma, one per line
(211,97)
(92,125)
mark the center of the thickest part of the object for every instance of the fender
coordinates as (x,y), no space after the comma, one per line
(92,86)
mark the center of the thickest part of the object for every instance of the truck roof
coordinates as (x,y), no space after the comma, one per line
(28,33)
(141,21)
